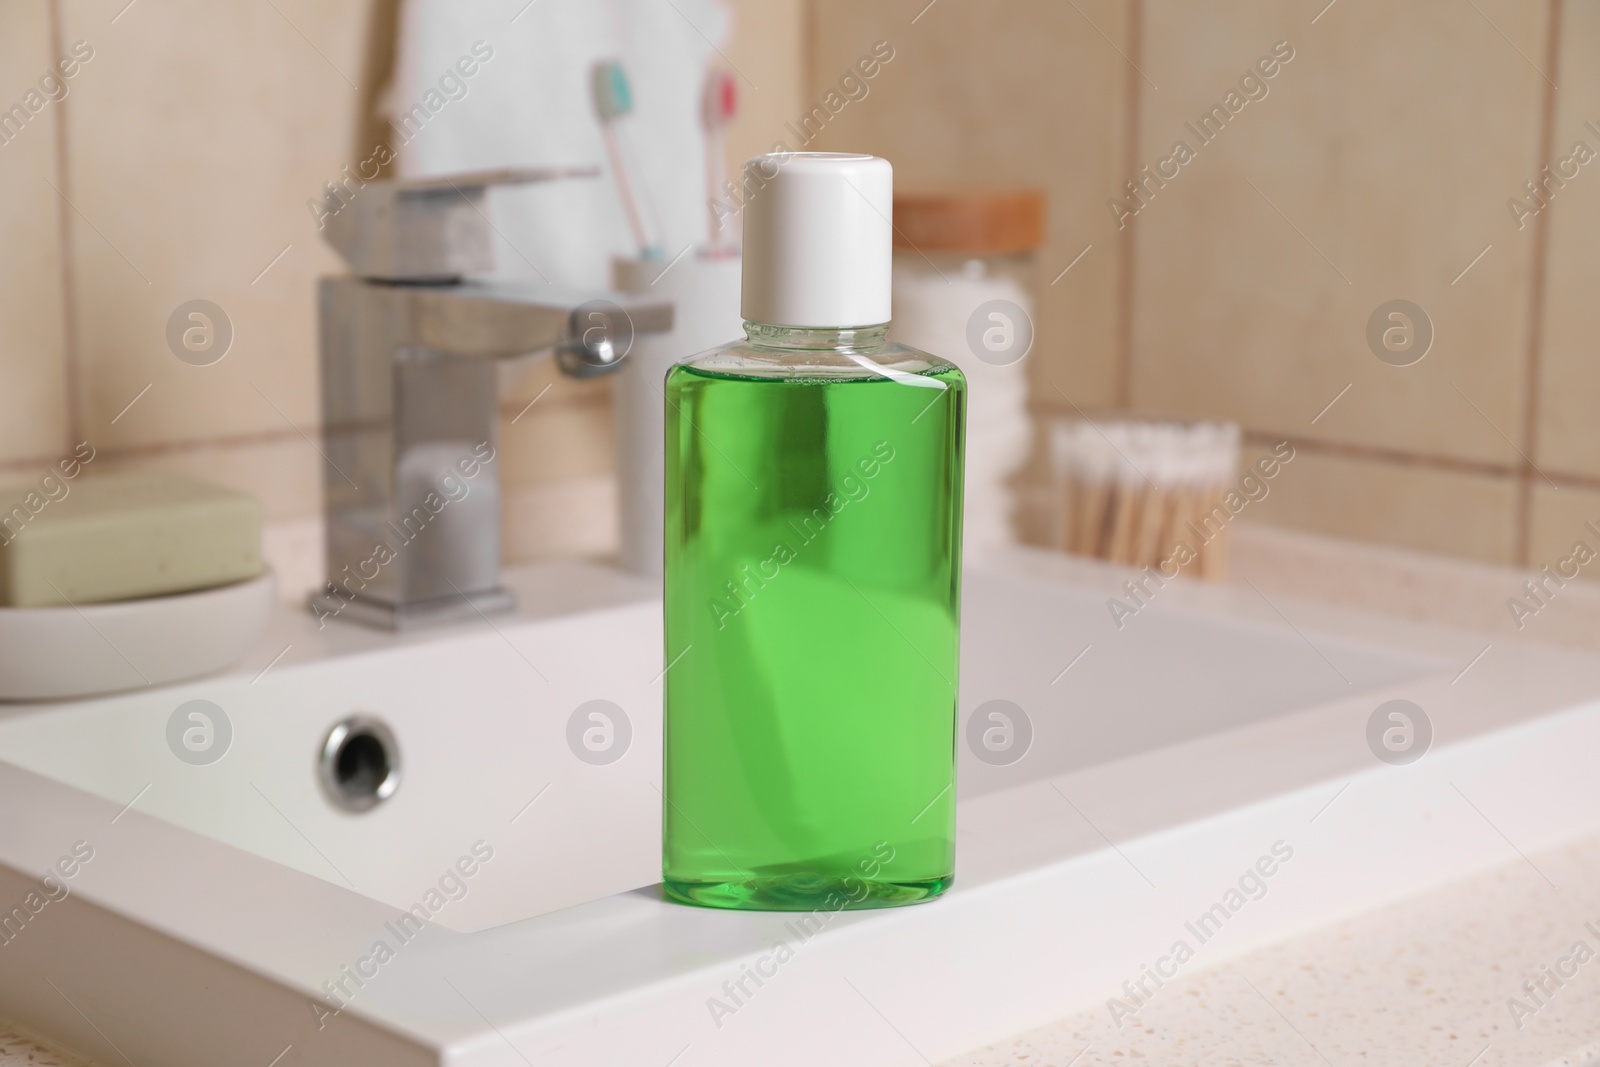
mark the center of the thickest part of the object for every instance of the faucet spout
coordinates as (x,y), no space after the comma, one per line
(501,320)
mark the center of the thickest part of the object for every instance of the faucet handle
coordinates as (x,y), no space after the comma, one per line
(423,229)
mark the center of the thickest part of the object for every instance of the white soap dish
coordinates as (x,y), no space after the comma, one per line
(50,653)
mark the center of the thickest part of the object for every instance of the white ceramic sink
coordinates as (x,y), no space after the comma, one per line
(230,907)
(480,716)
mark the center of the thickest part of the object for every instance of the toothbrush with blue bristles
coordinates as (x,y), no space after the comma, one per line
(613,99)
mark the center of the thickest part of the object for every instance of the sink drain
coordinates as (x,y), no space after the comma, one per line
(360,763)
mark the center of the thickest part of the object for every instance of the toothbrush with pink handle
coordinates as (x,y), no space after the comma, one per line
(717,108)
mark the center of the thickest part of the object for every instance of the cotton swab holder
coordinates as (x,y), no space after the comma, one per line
(1145,494)
(704,289)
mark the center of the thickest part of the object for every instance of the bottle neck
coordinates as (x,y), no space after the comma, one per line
(807,338)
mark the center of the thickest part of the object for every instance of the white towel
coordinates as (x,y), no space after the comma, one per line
(529,104)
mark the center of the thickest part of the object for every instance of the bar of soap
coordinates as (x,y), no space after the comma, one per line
(102,537)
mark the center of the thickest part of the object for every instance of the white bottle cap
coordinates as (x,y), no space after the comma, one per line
(817,239)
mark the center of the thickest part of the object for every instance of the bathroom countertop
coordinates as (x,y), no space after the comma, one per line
(1423,981)
(1412,585)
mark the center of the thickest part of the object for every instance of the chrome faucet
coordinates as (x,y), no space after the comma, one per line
(411,484)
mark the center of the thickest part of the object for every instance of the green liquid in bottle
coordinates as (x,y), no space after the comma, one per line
(813,527)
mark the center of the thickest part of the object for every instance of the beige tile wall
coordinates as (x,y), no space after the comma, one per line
(34,422)
(1562,518)
(1025,92)
(184,153)
(1454,512)
(1568,441)
(1377,166)
(1355,181)
(1256,273)
(767,46)
(181,158)
(188,167)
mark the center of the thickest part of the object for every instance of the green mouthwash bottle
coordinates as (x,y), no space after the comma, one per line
(813,571)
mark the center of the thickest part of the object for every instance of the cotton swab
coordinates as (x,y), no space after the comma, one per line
(718,106)
(613,99)
(1130,491)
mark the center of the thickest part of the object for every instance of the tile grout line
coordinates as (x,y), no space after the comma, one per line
(1134,94)
(151,449)
(1519,472)
(1363,453)
(71,369)
(1392,456)
(810,34)
(1523,544)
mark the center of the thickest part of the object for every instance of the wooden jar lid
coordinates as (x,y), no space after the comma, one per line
(973,222)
